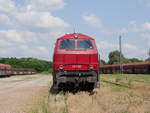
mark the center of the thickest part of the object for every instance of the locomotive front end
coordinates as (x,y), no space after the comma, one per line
(75,62)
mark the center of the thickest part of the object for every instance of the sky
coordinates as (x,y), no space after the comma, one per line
(29,28)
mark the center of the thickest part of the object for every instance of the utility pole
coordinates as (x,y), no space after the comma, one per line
(149,53)
(120,48)
(74,30)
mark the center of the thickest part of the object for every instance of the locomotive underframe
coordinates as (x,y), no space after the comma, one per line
(76,79)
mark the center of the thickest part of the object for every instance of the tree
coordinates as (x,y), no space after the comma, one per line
(148,59)
(134,60)
(114,57)
(102,63)
(149,53)
(37,64)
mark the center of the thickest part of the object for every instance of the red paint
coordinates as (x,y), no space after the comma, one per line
(75,59)
(5,69)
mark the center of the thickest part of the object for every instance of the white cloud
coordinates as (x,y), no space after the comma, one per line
(144,3)
(124,31)
(11,35)
(146,36)
(38,45)
(4,43)
(129,50)
(105,48)
(45,5)
(129,47)
(106,45)
(92,20)
(43,50)
(149,43)
(95,22)
(132,51)
(7,5)
(2,51)
(146,26)
(29,36)
(142,30)
(37,51)
(132,27)
(148,4)
(33,20)
(4,20)
(31,28)
(39,21)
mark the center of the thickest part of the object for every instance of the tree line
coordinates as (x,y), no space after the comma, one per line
(37,64)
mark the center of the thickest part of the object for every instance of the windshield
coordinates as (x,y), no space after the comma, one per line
(67,44)
(84,44)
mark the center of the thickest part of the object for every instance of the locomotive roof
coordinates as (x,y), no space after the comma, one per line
(71,36)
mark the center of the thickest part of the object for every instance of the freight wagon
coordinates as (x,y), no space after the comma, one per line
(130,68)
(23,71)
(6,71)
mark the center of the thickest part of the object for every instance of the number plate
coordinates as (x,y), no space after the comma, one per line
(76,66)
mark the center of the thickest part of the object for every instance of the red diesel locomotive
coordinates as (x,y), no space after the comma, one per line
(75,62)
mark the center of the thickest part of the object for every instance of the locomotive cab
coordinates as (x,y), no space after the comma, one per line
(75,62)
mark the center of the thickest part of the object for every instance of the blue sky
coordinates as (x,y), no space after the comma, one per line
(29,28)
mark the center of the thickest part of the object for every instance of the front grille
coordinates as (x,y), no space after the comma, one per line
(77,73)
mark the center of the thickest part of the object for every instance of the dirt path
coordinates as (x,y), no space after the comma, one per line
(17,92)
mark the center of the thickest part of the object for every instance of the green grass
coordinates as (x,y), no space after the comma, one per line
(46,73)
(127,77)
(123,82)
(43,107)
(116,89)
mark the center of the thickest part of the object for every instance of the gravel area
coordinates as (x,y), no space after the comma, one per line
(16,92)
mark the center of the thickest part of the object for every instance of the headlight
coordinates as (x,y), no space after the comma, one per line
(61,67)
(91,67)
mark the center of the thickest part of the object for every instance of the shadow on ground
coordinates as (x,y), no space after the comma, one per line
(55,91)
